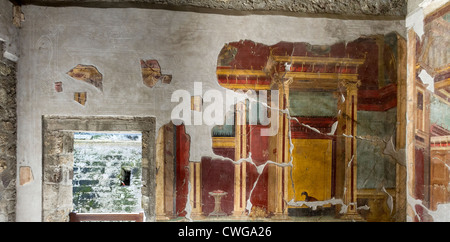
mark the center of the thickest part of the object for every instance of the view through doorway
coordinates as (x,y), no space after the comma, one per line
(107,172)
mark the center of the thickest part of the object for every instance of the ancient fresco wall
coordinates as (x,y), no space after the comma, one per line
(141,57)
(428,130)
(312,153)
(122,44)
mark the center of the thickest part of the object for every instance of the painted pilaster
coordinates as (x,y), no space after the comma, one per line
(240,153)
(350,108)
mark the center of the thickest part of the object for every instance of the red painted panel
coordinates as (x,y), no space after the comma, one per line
(379,99)
(259,195)
(217,174)
(252,55)
(225,152)
(259,147)
(182,169)
(419,174)
(368,72)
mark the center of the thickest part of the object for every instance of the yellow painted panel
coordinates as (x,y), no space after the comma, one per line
(312,166)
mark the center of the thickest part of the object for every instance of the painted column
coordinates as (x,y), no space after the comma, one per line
(160,206)
(400,187)
(350,108)
(240,153)
(283,154)
(195,189)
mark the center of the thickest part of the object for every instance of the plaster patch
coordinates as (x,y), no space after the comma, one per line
(10,56)
(397,155)
(415,21)
(58,87)
(87,73)
(333,128)
(188,207)
(429,6)
(441,214)
(427,80)
(151,73)
(389,200)
(80,97)
(25,175)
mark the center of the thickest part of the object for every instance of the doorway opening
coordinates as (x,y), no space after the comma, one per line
(107,172)
(58,138)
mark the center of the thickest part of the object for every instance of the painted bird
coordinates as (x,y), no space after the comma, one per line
(308,198)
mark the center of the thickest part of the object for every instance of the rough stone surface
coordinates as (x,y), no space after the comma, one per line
(100,183)
(58,162)
(342,7)
(7,138)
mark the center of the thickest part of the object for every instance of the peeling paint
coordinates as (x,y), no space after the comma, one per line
(151,73)
(427,80)
(88,74)
(415,21)
(333,128)
(427,199)
(187,63)
(25,175)
(389,201)
(397,155)
(188,207)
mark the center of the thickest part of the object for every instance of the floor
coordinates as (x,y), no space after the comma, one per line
(326,218)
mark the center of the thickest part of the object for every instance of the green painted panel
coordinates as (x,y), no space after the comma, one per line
(439,113)
(319,104)
(374,168)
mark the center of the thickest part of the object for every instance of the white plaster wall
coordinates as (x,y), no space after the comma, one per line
(186,44)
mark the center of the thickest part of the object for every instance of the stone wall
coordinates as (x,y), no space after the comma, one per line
(348,8)
(7,137)
(58,172)
(100,183)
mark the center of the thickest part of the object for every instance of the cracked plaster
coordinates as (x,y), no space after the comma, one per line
(388,150)
(418,10)
(187,51)
(28,132)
